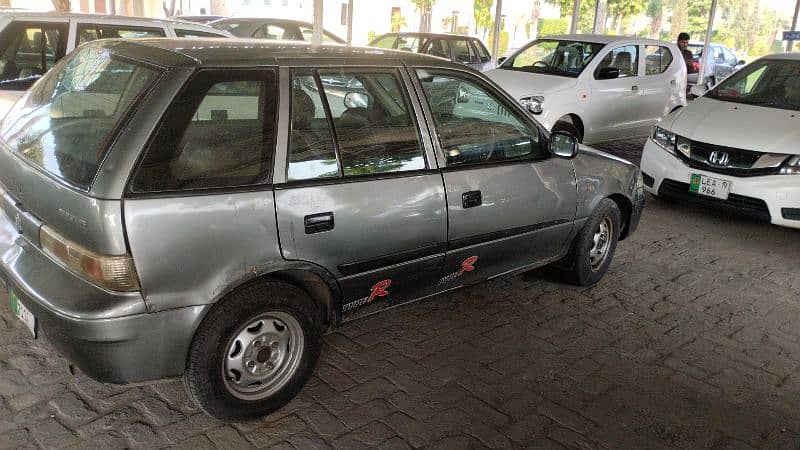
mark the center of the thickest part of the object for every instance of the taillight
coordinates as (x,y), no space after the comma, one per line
(116,273)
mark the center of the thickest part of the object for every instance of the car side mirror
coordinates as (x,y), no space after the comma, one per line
(698,90)
(356,100)
(501,60)
(563,144)
(741,63)
(608,73)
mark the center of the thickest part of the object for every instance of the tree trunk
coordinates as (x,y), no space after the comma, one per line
(655,24)
(61,6)
(600,20)
(535,11)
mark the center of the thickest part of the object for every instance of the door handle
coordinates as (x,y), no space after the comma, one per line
(471,199)
(672,83)
(317,223)
(634,88)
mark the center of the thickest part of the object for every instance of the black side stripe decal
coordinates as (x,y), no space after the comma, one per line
(495,235)
(391,259)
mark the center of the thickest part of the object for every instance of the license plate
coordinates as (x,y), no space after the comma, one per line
(712,187)
(22,312)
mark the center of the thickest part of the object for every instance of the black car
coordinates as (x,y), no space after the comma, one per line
(457,48)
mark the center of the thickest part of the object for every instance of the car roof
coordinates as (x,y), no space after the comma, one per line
(604,38)
(238,52)
(28,14)
(792,56)
(261,20)
(421,34)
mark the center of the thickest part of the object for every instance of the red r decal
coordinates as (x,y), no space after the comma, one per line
(379,290)
(468,265)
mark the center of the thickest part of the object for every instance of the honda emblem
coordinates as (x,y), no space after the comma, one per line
(719,159)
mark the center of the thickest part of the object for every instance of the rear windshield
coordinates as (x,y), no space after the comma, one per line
(67,120)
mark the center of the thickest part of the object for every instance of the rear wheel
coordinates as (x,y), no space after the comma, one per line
(254,351)
(569,127)
(593,248)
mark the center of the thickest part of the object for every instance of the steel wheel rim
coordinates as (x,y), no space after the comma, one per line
(601,243)
(263,356)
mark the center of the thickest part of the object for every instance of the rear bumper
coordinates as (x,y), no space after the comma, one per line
(110,336)
(770,198)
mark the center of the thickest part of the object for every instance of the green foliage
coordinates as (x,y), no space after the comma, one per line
(586,19)
(549,27)
(482,11)
(371,36)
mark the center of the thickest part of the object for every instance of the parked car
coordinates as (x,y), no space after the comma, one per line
(736,146)
(32,42)
(274,29)
(599,88)
(202,18)
(199,211)
(720,63)
(462,49)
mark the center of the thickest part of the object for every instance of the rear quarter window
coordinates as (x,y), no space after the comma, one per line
(68,119)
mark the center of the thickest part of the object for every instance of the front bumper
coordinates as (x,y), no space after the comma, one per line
(110,336)
(769,197)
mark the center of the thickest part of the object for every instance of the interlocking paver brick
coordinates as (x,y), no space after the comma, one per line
(691,340)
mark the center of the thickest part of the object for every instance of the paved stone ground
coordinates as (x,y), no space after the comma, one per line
(691,341)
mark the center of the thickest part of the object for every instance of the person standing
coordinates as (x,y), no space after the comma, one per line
(688,58)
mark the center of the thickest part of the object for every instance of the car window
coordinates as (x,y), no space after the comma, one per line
(308,34)
(194,33)
(483,54)
(275,32)
(91,32)
(625,58)
(437,47)
(27,51)
(66,122)
(474,123)
(218,133)
(772,83)
(370,114)
(407,43)
(657,59)
(385,42)
(463,52)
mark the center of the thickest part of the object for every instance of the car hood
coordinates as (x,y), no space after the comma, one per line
(522,84)
(757,128)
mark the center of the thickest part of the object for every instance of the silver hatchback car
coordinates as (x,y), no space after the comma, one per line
(207,209)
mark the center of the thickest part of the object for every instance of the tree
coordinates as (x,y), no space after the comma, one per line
(586,19)
(482,11)
(679,19)
(655,10)
(61,6)
(424,7)
(398,22)
(533,31)
(623,11)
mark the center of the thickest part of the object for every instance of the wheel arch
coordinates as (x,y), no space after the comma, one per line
(626,210)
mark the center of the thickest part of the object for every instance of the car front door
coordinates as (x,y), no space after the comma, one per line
(360,197)
(615,105)
(509,204)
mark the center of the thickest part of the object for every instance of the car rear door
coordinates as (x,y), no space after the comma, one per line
(509,204)
(659,86)
(361,196)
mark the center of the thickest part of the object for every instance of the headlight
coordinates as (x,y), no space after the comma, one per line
(533,103)
(665,139)
(683,145)
(791,166)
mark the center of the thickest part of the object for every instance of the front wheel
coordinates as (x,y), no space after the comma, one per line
(593,248)
(254,351)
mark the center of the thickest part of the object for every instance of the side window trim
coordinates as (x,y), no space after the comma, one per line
(433,132)
(326,107)
(266,183)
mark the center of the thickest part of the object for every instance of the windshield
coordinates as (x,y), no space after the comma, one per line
(231,26)
(67,120)
(557,57)
(771,83)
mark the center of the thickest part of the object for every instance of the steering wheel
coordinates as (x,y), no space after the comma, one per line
(540,63)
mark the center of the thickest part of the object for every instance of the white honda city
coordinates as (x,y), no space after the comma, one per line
(736,147)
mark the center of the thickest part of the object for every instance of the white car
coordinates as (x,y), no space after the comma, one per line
(32,42)
(736,146)
(599,88)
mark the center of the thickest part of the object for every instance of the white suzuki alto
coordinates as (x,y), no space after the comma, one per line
(736,146)
(599,88)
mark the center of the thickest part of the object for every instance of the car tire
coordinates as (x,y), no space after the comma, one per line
(570,128)
(593,248)
(254,351)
